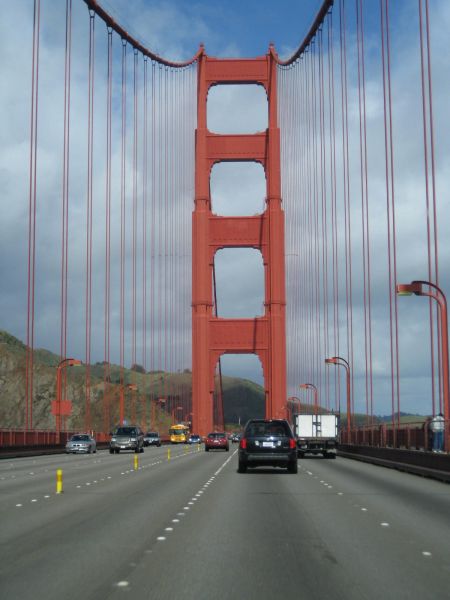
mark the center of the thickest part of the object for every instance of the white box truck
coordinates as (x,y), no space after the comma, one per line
(316,434)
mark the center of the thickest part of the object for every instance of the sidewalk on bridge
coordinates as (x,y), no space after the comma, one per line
(419,462)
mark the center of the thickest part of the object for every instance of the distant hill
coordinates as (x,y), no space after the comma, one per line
(243,399)
(404,418)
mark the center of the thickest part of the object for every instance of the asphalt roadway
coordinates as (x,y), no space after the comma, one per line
(192,527)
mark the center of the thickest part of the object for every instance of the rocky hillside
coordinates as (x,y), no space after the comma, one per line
(242,398)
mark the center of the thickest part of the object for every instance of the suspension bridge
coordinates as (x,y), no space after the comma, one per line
(121,253)
(114,231)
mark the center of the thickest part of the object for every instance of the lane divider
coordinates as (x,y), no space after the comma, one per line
(59,481)
(59,476)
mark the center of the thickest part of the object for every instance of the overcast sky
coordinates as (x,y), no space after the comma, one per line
(175,30)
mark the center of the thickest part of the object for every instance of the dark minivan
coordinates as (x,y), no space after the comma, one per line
(268,443)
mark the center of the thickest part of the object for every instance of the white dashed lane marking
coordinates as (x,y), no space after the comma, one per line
(197,496)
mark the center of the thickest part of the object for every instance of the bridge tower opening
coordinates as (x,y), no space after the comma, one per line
(213,336)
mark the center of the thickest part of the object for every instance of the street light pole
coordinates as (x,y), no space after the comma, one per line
(129,386)
(159,401)
(338,360)
(415,287)
(292,401)
(311,386)
(66,362)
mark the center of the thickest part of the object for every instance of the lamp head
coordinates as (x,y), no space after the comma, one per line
(408,289)
(74,362)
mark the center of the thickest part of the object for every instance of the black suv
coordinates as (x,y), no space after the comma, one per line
(267,443)
(127,437)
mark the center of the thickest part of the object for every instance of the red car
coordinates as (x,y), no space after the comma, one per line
(216,440)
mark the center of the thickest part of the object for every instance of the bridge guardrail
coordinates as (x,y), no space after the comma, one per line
(409,436)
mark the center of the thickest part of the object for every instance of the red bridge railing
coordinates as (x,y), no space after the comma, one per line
(411,436)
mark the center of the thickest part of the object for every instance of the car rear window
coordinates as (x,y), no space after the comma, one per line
(268,428)
(80,438)
(216,435)
(125,431)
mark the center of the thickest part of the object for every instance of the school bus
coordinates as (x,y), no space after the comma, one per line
(179,434)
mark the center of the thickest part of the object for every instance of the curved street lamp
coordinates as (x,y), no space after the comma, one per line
(339,361)
(416,288)
(311,386)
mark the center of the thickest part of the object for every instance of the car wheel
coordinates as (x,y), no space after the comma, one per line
(117,450)
(111,451)
(206,449)
(293,467)
(242,467)
(227,449)
(95,451)
(142,449)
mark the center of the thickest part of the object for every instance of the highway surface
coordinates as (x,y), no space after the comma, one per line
(192,527)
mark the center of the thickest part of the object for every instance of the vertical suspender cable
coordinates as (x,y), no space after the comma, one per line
(32,218)
(394,229)
(152,232)
(433,186)
(123,214)
(171,210)
(144,240)
(165,231)
(367,224)
(364,199)
(346,189)
(333,185)
(134,230)
(389,176)
(65,192)
(90,149)
(324,230)
(160,229)
(315,217)
(107,366)
(426,135)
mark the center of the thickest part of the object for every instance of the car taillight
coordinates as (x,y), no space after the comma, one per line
(243,444)
(292,443)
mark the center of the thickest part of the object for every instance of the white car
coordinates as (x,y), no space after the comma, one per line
(81,443)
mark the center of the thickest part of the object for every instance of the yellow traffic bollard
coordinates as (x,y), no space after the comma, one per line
(136,462)
(168,454)
(59,481)
(198,447)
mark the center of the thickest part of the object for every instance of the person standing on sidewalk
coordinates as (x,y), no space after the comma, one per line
(437,427)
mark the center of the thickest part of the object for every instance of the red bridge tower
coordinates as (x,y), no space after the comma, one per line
(212,336)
